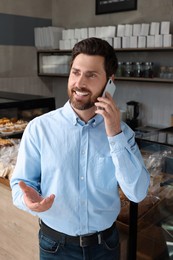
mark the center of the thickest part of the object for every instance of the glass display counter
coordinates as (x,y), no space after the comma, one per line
(155,230)
(16,110)
(149,224)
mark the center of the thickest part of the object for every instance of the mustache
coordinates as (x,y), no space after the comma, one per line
(81,89)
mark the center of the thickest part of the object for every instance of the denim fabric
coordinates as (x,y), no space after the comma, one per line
(60,250)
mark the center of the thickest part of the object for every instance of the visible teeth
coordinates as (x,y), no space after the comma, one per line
(81,93)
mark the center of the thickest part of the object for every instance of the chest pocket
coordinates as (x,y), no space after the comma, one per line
(105,174)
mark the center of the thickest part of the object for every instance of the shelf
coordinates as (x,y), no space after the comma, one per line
(53,75)
(144,49)
(158,80)
(118,50)
(54,51)
(50,52)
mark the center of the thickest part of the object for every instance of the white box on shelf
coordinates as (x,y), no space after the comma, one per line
(117,42)
(167,40)
(70,34)
(158,41)
(136,29)
(126,42)
(109,40)
(128,30)
(72,43)
(64,34)
(107,31)
(47,37)
(154,28)
(84,33)
(110,31)
(165,27)
(91,32)
(99,32)
(150,41)
(103,32)
(77,33)
(65,44)
(133,42)
(120,30)
(55,35)
(142,41)
(144,29)
(61,44)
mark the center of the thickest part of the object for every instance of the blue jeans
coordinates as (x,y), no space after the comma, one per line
(59,250)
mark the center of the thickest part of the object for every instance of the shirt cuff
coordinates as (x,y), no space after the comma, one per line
(118,142)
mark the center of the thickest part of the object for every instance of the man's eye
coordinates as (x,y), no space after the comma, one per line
(75,72)
(91,75)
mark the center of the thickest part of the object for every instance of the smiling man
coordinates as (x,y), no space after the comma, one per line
(72,161)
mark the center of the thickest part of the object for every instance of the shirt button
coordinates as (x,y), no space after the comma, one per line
(82,178)
(112,143)
(83,152)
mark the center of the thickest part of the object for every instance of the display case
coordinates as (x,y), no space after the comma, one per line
(149,224)
(53,63)
(16,110)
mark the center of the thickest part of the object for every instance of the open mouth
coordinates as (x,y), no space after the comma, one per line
(81,94)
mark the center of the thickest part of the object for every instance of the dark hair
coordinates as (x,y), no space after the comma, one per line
(97,46)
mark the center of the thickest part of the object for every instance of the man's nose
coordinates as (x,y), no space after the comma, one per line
(81,81)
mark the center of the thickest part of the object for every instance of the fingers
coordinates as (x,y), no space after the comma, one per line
(34,201)
(44,205)
(106,103)
(111,114)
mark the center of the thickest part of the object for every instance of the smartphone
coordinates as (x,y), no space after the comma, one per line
(110,87)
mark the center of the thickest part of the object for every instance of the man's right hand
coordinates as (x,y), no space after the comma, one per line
(33,200)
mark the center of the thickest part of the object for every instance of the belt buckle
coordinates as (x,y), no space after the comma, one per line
(82,242)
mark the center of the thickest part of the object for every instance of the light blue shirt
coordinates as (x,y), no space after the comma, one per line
(77,162)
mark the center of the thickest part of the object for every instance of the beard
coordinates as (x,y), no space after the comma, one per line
(80,104)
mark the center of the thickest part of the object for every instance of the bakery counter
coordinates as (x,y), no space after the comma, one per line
(155,212)
(16,110)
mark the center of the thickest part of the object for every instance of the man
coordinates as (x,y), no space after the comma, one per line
(72,160)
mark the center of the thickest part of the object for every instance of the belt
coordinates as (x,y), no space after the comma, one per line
(83,241)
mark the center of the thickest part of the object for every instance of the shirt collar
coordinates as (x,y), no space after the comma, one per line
(74,118)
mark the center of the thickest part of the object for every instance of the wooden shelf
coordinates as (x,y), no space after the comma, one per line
(53,75)
(158,80)
(119,50)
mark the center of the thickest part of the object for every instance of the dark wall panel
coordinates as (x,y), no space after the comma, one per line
(19,30)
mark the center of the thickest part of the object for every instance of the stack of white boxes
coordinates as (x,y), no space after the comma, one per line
(47,37)
(72,36)
(144,35)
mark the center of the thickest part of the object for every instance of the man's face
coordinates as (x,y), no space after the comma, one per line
(86,81)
